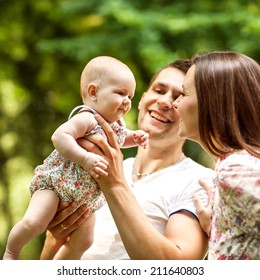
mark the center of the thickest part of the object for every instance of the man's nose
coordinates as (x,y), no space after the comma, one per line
(165,101)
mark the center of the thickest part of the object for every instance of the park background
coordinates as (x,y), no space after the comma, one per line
(44,46)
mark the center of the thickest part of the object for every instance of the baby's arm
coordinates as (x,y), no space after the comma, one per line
(64,140)
(136,138)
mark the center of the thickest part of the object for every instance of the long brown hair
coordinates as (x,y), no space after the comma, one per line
(228,92)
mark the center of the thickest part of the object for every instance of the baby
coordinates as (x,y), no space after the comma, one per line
(107,86)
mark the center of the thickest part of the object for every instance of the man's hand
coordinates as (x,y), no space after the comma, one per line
(67,219)
(110,151)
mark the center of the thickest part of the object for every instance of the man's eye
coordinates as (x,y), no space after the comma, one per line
(159,91)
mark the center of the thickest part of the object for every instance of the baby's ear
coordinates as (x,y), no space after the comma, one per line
(92,91)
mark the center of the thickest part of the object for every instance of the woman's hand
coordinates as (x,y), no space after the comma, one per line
(204,213)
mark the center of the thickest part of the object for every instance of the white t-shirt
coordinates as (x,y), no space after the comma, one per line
(160,194)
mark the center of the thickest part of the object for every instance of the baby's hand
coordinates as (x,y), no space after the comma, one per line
(141,138)
(95,165)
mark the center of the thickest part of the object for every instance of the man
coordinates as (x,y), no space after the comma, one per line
(153,215)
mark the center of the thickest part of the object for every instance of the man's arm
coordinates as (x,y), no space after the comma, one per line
(183,239)
(66,220)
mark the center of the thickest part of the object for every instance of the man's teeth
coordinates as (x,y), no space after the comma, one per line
(159,117)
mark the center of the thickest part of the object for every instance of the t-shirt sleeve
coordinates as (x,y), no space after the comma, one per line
(184,201)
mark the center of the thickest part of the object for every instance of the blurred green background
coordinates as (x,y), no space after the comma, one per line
(44,46)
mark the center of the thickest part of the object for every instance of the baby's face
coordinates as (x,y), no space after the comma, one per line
(114,95)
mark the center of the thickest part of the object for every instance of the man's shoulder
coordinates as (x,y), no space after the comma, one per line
(191,164)
(129,160)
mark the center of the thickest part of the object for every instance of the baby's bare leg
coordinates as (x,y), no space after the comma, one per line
(42,208)
(79,241)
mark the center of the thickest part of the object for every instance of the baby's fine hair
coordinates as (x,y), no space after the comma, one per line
(99,68)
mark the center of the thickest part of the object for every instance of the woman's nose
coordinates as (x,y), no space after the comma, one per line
(176,102)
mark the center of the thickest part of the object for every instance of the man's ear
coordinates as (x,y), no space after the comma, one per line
(139,104)
(92,91)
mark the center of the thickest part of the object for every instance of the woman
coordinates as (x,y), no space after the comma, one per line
(220,109)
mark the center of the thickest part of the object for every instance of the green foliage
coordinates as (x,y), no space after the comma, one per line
(44,46)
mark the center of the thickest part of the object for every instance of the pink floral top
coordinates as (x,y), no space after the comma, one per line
(235,232)
(69,180)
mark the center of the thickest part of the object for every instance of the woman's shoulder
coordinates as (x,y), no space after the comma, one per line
(239,159)
(239,167)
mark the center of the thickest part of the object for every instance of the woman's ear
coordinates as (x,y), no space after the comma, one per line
(92,91)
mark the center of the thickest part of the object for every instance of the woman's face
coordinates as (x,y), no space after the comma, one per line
(187,108)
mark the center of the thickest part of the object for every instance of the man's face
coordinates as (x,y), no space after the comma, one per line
(157,115)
